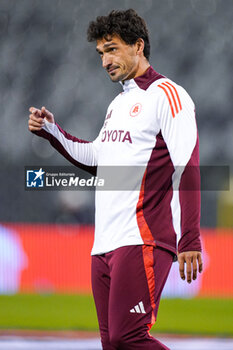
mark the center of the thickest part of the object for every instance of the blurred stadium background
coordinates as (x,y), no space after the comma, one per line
(46,237)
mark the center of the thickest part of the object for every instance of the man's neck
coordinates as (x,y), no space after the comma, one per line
(143,68)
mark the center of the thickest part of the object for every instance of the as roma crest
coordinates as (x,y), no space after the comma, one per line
(136,109)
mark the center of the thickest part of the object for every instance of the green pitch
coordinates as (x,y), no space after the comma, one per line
(77,312)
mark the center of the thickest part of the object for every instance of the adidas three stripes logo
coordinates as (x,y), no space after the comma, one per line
(139,308)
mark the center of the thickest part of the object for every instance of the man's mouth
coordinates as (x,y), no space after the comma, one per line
(112,70)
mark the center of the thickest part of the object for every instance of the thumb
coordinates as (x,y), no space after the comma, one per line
(47,115)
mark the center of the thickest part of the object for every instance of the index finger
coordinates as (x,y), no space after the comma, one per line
(35,111)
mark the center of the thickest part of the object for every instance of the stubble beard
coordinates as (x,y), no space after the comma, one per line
(118,78)
(115,79)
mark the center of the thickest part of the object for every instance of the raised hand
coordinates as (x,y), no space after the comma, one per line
(37,116)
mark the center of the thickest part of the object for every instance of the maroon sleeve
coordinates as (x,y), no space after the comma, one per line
(189,194)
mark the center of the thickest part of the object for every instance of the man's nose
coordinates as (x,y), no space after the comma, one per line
(106,61)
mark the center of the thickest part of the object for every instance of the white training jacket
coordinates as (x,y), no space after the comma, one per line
(148,151)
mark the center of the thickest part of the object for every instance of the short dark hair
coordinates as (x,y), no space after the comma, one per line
(127,24)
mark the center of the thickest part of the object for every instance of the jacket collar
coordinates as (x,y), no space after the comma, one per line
(143,81)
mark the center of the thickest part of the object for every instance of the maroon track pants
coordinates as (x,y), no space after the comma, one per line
(127,285)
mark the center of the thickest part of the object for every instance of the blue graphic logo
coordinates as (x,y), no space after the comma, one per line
(35,178)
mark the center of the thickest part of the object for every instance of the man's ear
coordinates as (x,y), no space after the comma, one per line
(140,46)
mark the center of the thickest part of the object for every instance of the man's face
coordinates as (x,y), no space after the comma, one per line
(120,60)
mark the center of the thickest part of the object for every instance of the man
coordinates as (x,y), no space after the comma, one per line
(151,124)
